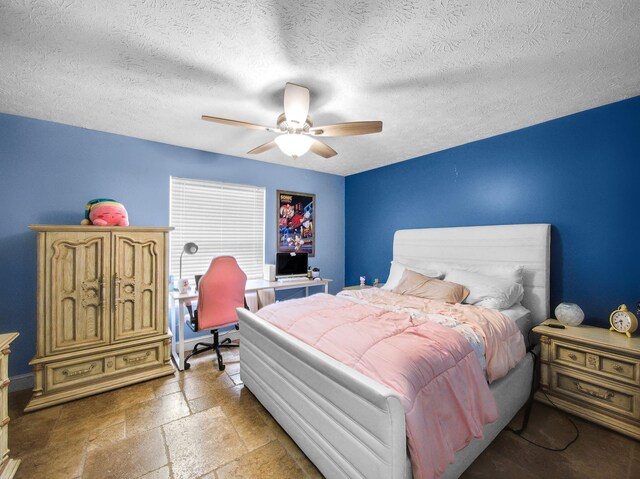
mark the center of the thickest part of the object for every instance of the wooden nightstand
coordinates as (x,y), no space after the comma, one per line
(357,287)
(8,466)
(593,373)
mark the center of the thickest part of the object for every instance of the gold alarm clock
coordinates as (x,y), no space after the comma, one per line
(623,321)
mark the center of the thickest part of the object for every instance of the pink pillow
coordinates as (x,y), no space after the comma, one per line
(416,284)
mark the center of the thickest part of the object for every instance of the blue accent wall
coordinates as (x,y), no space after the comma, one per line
(49,171)
(581,173)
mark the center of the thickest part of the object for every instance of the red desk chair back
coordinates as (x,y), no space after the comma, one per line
(220,292)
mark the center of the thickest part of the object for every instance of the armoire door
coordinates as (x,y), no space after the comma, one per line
(138,282)
(77,272)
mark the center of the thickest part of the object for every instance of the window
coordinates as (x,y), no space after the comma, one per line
(222,219)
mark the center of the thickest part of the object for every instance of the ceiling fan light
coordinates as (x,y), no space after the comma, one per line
(294,144)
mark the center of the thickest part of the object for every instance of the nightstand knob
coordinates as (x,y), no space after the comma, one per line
(618,368)
(573,356)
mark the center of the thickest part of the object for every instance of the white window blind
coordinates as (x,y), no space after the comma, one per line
(222,219)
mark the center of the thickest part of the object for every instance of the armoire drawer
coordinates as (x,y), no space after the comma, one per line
(139,358)
(69,373)
(93,369)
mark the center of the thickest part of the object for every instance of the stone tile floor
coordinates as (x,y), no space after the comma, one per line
(203,423)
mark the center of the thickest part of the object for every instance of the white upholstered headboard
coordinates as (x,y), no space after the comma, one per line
(526,245)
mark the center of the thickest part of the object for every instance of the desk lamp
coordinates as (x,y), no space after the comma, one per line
(189,248)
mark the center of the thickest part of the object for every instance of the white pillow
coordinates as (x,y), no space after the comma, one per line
(397,269)
(487,291)
(506,271)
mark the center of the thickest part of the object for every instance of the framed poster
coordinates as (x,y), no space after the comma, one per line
(296,222)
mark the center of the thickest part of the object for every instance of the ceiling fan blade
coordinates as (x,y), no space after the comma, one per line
(226,121)
(262,148)
(322,150)
(347,129)
(296,104)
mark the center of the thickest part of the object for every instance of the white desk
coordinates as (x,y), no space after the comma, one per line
(258,284)
(177,347)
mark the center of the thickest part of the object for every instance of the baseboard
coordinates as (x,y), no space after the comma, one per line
(20,382)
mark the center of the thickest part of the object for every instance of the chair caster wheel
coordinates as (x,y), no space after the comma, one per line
(187,366)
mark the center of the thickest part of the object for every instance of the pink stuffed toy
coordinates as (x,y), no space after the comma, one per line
(105,212)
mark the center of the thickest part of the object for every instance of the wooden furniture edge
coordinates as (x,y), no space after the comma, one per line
(9,465)
(6,339)
(9,468)
(44,228)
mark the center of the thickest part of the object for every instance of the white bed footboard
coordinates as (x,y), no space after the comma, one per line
(347,424)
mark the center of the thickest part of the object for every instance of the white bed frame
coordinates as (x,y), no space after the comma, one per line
(353,427)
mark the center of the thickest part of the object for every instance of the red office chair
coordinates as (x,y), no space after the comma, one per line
(220,292)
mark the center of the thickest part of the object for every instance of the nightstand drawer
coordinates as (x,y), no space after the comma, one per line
(615,398)
(568,354)
(604,364)
(621,368)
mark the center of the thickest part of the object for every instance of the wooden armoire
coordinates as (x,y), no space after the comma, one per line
(102,310)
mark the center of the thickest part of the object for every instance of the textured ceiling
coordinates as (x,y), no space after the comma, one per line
(437,73)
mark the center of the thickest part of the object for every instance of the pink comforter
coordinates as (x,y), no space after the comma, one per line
(432,368)
(504,344)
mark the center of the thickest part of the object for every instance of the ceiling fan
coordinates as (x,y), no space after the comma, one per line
(295,128)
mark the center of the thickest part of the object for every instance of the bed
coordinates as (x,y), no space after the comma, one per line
(352,426)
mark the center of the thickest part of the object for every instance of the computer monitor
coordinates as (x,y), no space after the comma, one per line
(291,265)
